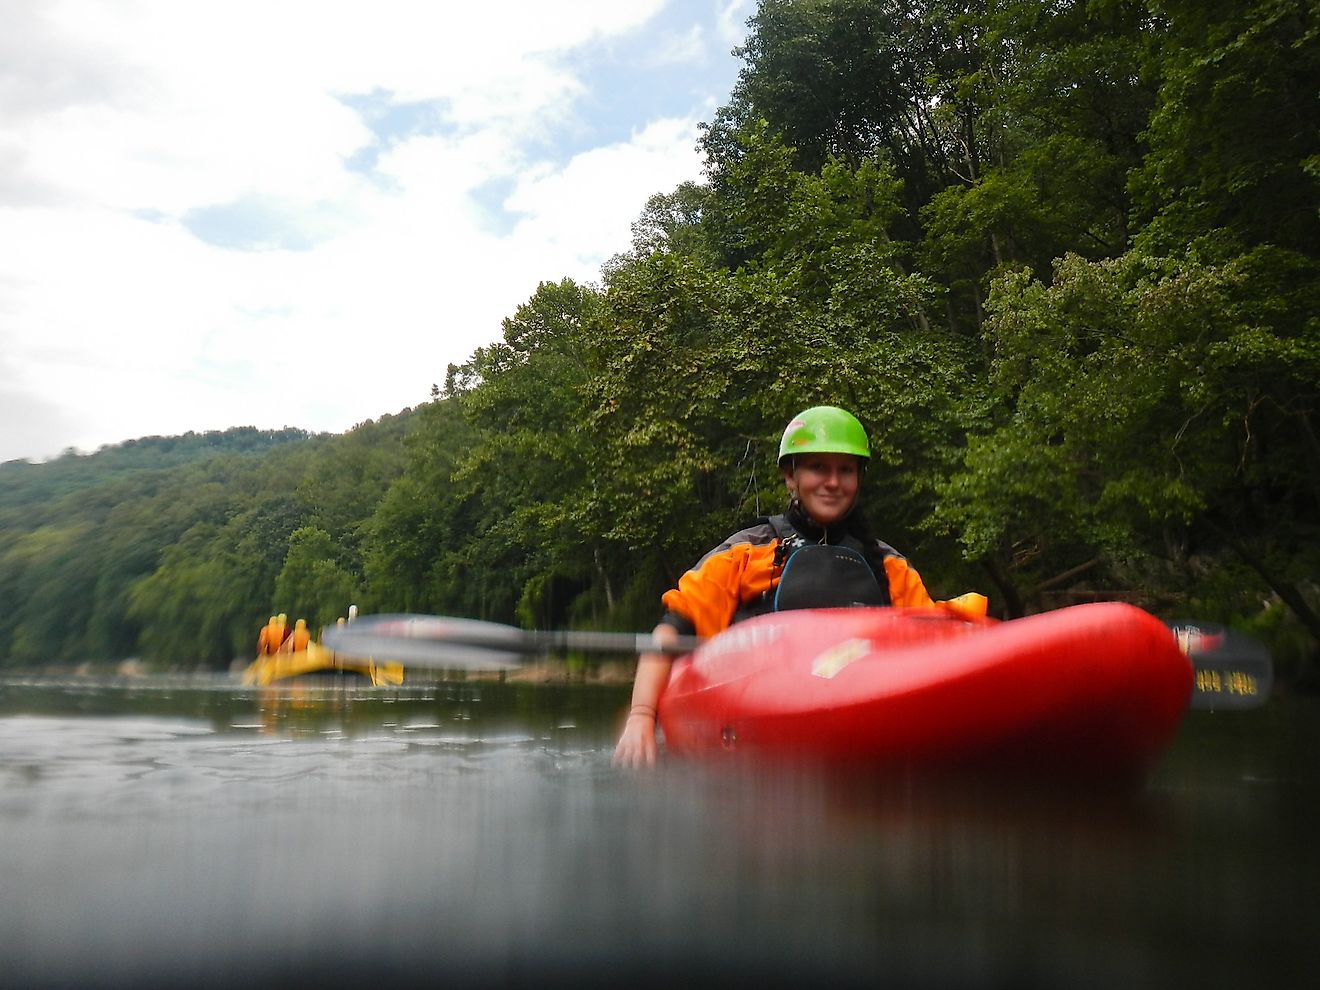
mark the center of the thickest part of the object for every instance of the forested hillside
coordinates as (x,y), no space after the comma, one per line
(1060,257)
(168,547)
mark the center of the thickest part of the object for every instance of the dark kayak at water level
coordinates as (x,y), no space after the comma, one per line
(1095,689)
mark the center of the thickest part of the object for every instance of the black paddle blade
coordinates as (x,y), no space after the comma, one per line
(1233,671)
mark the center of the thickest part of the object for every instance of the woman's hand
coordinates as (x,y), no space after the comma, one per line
(637,746)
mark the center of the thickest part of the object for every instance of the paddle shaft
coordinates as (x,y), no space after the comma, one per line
(609,642)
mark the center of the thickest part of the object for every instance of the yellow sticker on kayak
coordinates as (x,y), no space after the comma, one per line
(838,656)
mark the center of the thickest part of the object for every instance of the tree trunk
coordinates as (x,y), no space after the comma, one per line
(1013,604)
(604,580)
(1288,592)
(1067,575)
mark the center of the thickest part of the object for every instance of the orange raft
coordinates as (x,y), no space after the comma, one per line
(1098,688)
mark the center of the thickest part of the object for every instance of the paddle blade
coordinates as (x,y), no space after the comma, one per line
(1233,670)
(451,644)
(431,641)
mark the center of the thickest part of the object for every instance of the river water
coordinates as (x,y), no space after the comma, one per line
(197,833)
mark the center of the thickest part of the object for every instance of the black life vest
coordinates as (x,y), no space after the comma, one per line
(817,575)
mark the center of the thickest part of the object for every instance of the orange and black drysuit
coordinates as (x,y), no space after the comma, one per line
(738,578)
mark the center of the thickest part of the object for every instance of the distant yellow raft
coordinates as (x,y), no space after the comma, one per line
(279,666)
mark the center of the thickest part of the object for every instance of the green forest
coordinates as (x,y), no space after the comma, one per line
(1059,256)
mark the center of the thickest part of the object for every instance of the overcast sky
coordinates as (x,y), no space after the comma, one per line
(220,213)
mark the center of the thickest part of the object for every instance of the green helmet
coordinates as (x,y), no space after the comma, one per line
(824,430)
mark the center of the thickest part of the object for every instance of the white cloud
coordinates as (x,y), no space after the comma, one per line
(731,19)
(131,131)
(676,49)
(588,207)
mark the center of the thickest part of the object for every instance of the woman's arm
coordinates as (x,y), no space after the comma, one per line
(637,745)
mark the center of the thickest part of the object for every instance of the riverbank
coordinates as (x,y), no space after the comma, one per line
(545,670)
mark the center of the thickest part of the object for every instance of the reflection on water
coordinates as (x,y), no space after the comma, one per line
(475,833)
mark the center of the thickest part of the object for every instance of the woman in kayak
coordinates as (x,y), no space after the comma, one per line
(819,554)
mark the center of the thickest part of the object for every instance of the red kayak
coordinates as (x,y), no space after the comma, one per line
(1098,688)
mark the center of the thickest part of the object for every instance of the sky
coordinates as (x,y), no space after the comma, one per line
(272,213)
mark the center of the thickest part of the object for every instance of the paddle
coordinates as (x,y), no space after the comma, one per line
(470,644)
(1233,671)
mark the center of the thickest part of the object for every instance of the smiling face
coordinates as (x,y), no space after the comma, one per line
(825,484)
